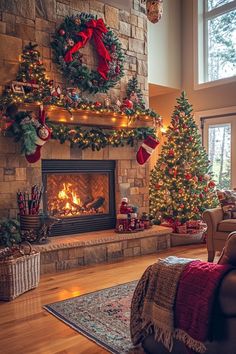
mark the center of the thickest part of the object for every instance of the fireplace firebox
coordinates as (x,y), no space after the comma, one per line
(80,193)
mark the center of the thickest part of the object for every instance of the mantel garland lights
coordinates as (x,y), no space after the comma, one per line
(23,128)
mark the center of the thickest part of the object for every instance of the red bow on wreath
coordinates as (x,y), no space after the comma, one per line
(95,29)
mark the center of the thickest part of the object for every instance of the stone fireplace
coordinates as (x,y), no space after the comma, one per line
(22,23)
(104,171)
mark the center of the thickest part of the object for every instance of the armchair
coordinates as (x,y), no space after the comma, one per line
(224,317)
(217,230)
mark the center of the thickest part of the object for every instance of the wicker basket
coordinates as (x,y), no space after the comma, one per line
(186,239)
(18,275)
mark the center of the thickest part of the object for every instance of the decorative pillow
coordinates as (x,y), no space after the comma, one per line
(227,200)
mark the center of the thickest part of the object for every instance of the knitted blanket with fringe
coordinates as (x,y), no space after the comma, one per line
(152,306)
(197,290)
(174,300)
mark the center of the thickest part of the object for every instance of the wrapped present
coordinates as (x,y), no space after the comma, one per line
(122,223)
(181,229)
(193,224)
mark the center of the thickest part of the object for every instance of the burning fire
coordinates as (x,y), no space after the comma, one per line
(71,199)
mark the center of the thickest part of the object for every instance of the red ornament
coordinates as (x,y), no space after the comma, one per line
(171,153)
(206,189)
(190,138)
(211,184)
(128,104)
(117,69)
(201,195)
(200,178)
(181,191)
(182,206)
(188,176)
(97,104)
(62,32)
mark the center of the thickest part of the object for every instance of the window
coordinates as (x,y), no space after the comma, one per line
(216,40)
(219,133)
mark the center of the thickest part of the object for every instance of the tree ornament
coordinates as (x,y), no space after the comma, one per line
(182,206)
(110,63)
(77,21)
(107,102)
(163,166)
(206,177)
(211,184)
(127,104)
(171,153)
(62,32)
(118,103)
(97,104)
(146,149)
(70,42)
(188,176)
(154,10)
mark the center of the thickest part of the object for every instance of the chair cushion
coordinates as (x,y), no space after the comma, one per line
(227,225)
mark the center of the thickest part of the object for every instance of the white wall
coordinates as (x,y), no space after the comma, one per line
(164,47)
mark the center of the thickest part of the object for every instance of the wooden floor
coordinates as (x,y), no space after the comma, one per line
(26,328)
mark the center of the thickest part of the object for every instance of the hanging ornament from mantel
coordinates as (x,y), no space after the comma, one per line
(154,10)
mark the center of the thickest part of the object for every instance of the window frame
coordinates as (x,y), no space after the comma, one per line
(202,118)
(200,17)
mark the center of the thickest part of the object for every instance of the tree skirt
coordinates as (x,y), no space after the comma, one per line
(102,316)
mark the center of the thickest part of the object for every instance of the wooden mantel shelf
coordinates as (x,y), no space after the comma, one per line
(89,117)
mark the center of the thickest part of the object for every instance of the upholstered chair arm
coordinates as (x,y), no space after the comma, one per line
(212,217)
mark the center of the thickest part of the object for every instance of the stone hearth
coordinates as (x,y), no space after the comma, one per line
(67,252)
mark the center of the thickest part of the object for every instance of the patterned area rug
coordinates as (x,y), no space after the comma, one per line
(102,316)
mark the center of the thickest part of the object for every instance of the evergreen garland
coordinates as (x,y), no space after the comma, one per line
(23,129)
(96,138)
(75,71)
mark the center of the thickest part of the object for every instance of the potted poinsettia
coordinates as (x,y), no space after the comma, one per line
(19,264)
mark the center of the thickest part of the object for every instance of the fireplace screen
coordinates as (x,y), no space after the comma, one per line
(81,194)
(70,195)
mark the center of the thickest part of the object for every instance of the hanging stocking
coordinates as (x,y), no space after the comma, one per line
(146,149)
(43,135)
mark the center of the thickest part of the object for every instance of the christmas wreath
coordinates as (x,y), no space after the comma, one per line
(72,35)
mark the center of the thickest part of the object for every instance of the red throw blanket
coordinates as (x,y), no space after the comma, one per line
(198,285)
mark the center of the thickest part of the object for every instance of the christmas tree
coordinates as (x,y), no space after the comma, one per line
(32,84)
(31,68)
(181,185)
(134,93)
